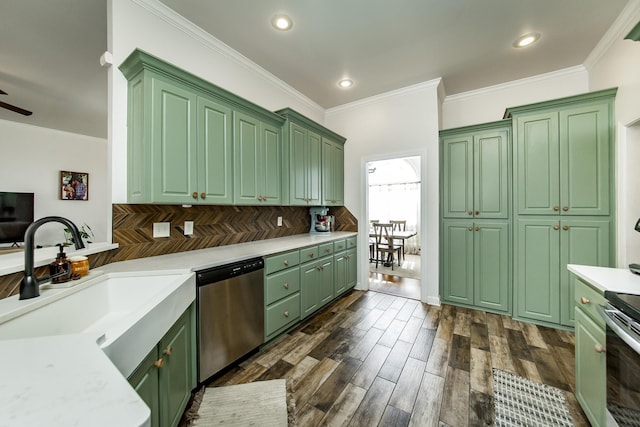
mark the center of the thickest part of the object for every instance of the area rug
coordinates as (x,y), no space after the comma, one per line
(261,403)
(521,402)
(410,268)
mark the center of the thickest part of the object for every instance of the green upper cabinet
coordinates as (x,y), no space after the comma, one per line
(475,180)
(332,173)
(313,162)
(563,151)
(258,162)
(181,138)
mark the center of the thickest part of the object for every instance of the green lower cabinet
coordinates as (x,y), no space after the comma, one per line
(316,285)
(282,293)
(164,379)
(543,290)
(476,264)
(591,376)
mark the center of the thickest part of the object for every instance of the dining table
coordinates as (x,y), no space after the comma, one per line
(396,235)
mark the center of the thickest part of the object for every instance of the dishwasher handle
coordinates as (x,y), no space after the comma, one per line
(217,274)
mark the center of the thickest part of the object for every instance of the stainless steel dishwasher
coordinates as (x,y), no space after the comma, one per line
(230,311)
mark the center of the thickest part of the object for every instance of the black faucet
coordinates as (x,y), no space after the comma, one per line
(30,286)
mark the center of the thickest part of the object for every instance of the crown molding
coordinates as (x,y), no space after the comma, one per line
(189,28)
(435,83)
(514,83)
(618,30)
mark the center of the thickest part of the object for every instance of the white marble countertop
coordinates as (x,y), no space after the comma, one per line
(68,380)
(608,279)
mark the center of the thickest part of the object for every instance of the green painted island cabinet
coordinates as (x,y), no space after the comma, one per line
(181,141)
(313,162)
(166,376)
(563,198)
(475,210)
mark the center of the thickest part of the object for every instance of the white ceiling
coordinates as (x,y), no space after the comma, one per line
(50,49)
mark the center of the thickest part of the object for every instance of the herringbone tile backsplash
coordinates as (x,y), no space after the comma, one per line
(213,226)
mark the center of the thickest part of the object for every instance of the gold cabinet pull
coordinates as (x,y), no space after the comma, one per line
(470,228)
(203,195)
(477,228)
(565,208)
(556,227)
(286,262)
(167,351)
(195,195)
(585,300)
(159,363)
(477,212)
(565,227)
(311,255)
(286,286)
(286,314)
(470,212)
(599,349)
(556,208)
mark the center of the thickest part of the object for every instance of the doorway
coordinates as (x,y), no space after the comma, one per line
(394,188)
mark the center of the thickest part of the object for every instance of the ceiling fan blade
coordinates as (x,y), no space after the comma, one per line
(15,109)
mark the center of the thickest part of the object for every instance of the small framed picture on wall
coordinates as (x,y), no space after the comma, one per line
(75,185)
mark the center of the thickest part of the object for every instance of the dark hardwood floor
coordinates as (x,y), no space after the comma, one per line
(374,359)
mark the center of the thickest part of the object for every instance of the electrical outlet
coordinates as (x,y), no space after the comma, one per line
(279,221)
(161,229)
(188,228)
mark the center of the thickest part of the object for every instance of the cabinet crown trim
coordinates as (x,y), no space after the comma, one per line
(605,95)
(500,124)
(292,115)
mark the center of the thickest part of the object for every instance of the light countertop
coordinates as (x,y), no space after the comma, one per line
(68,380)
(608,279)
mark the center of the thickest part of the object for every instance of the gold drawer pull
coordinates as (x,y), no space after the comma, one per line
(286,286)
(286,314)
(311,255)
(584,300)
(286,262)
(599,349)
(159,363)
(167,351)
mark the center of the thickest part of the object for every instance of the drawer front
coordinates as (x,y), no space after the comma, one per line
(352,242)
(340,245)
(309,254)
(326,249)
(587,298)
(282,284)
(282,313)
(280,262)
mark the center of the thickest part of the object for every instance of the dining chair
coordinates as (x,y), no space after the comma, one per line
(399,225)
(372,240)
(384,244)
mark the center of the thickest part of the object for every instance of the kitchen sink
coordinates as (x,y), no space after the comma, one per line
(126,313)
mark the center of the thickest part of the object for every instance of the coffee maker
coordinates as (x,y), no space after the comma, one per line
(321,221)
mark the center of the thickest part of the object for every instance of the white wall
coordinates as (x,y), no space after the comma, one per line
(488,104)
(617,64)
(156,29)
(402,123)
(32,158)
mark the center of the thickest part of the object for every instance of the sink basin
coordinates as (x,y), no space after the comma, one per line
(126,314)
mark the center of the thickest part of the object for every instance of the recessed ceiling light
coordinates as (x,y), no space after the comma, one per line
(526,40)
(281,22)
(345,83)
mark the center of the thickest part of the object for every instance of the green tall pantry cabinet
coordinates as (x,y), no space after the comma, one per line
(475,225)
(563,199)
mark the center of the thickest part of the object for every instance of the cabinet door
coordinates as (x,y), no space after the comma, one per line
(458,261)
(314,169)
(246,148)
(144,381)
(215,173)
(538,179)
(309,288)
(325,281)
(591,375)
(491,269)
(491,175)
(352,268)
(537,286)
(457,157)
(175,375)
(270,165)
(299,179)
(175,177)
(584,160)
(332,173)
(583,242)
(340,266)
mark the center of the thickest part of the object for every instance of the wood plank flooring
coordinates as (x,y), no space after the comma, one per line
(372,359)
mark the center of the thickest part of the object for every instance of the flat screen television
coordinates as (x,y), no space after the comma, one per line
(16,214)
